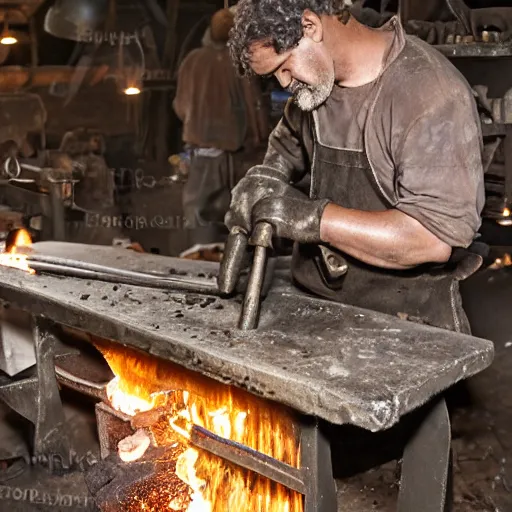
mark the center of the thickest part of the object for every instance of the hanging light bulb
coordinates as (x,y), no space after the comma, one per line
(7,37)
(130,67)
(132,91)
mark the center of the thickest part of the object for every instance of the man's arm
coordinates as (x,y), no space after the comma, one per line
(387,239)
(184,85)
(285,163)
(286,152)
(439,189)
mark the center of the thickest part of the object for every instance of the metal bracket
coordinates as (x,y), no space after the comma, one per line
(37,398)
(426,463)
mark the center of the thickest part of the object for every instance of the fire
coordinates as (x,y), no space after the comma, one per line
(504,261)
(13,257)
(144,383)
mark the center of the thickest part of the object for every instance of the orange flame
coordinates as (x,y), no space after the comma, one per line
(504,261)
(12,257)
(143,383)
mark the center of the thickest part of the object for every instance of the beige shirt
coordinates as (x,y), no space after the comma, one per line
(219,109)
(420,129)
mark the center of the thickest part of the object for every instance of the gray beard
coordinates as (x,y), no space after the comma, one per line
(309,98)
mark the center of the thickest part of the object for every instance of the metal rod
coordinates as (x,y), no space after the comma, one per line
(251,306)
(83,386)
(248,458)
(262,240)
(146,281)
(202,286)
(30,167)
(58,212)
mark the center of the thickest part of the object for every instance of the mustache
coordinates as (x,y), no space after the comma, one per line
(296,86)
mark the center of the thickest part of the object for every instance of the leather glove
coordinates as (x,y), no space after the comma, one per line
(258,183)
(293,216)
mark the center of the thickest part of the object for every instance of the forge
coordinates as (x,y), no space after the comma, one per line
(194,415)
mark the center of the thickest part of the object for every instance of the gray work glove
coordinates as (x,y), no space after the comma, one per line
(259,182)
(293,216)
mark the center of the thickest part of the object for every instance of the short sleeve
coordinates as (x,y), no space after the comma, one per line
(439,179)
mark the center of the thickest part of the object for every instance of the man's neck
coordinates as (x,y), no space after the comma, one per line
(367,51)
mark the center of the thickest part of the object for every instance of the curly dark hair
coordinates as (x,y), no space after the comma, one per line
(276,23)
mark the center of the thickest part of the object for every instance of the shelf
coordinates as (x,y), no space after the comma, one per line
(489,50)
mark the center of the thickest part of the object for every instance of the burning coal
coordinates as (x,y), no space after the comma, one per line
(168,401)
(17,245)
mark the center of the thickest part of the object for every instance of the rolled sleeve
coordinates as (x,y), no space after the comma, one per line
(439,179)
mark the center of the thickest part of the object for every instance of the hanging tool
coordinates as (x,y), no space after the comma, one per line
(261,239)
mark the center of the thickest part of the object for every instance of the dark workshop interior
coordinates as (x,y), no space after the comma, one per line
(256,255)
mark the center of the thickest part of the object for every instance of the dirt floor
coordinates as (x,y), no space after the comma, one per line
(481,421)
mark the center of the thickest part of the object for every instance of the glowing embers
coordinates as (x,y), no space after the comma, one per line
(143,388)
(17,244)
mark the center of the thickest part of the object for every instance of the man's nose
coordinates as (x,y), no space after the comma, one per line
(285,78)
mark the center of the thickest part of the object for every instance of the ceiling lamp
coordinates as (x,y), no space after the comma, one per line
(130,67)
(132,90)
(7,37)
(76,19)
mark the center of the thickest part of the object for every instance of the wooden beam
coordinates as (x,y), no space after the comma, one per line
(13,78)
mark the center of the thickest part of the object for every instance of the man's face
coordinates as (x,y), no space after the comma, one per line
(307,71)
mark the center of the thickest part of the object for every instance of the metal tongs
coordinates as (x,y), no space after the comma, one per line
(236,246)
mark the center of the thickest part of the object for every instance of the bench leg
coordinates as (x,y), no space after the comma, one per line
(317,466)
(426,464)
(50,436)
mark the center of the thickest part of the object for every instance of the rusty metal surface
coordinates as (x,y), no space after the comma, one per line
(343,364)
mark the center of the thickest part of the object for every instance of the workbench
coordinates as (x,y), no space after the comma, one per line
(328,361)
(337,362)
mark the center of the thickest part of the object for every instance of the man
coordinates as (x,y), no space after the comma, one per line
(221,114)
(388,132)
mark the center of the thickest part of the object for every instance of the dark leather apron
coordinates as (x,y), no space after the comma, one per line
(428,294)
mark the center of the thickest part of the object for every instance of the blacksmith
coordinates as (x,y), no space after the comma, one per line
(387,132)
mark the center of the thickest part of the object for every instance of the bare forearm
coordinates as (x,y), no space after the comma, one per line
(387,239)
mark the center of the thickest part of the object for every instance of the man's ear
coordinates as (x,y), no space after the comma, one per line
(312,26)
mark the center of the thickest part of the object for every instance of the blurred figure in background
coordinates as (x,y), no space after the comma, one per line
(223,117)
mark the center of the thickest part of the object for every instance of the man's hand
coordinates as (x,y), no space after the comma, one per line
(293,216)
(259,182)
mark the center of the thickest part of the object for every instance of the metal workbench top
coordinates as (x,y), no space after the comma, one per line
(340,363)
